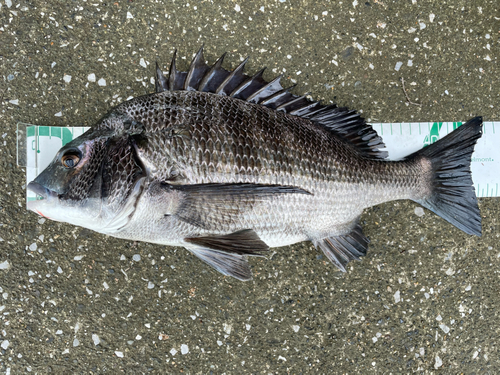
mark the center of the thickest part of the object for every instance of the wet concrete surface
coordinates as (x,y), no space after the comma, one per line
(424,299)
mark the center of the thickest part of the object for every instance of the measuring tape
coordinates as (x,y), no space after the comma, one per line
(37,146)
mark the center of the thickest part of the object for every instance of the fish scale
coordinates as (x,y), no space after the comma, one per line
(228,165)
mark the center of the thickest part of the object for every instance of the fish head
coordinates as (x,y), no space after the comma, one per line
(95,181)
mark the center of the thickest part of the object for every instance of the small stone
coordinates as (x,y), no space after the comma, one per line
(5,265)
(397,297)
(96,339)
(173,351)
(398,66)
(439,362)
(419,211)
(101,82)
(136,257)
(91,77)
(445,328)
(5,344)
(67,78)
(119,354)
(184,349)
(76,342)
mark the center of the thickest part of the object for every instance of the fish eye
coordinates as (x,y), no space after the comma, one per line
(71,158)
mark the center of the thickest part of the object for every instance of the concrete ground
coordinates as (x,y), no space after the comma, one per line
(425,299)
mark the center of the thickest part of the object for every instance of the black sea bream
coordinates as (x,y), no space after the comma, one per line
(228,165)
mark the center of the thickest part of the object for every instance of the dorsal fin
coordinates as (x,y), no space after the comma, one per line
(345,123)
(233,80)
(176,78)
(196,72)
(161,83)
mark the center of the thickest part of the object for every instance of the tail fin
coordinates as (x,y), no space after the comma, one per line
(452,193)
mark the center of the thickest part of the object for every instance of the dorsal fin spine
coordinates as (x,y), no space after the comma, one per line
(238,69)
(342,122)
(216,67)
(276,96)
(246,83)
(161,83)
(172,73)
(271,87)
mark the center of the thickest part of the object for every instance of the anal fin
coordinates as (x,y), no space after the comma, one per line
(340,250)
(227,253)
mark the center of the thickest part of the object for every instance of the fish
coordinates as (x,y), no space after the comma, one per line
(229,165)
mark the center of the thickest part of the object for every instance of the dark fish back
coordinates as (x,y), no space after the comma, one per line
(222,139)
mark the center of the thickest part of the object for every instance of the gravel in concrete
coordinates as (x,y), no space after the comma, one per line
(424,299)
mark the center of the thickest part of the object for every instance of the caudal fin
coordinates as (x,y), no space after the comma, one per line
(452,193)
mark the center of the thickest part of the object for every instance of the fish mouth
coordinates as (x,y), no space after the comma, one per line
(42,193)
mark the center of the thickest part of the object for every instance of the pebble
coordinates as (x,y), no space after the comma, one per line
(439,362)
(419,211)
(397,297)
(5,344)
(96,339)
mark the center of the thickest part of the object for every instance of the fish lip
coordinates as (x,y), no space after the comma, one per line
(41,190)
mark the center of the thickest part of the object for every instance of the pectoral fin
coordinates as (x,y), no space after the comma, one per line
(227,253)
(210,206)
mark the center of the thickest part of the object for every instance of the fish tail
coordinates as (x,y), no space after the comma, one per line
(451,193)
